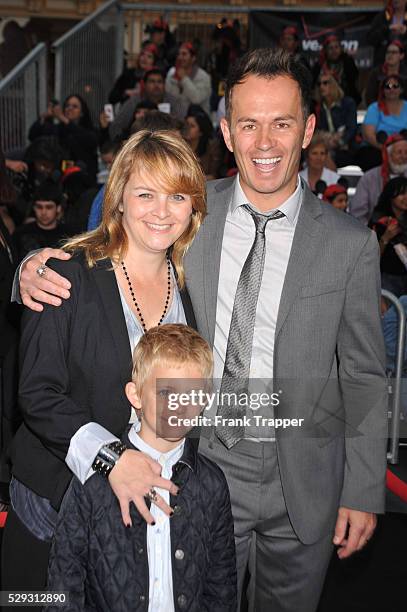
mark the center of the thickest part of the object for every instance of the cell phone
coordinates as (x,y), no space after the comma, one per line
(108,109)
(54,102)
(164,107)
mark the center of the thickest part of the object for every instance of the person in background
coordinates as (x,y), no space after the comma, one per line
(389,221)
(201,536)
(144,107)
(316,156)
(107,154)
(371,184)
(163,39)
(187,81)
(390,326)
(45,231)
(388,25)
(154,93)
(79,193)
(200,136)
(128,83)
(10,417)
(224,50)
(334,60)
(336,117)
(393,64)
(290,42)
(337,196)
(42,159)
(388,115)
(72,125)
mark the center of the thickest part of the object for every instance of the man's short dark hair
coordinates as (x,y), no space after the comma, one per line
(153,72)
(48,191)
(110,146)
(155,120)
(268,64)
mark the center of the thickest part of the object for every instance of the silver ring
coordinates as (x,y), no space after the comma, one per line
(152,495)
(42,270)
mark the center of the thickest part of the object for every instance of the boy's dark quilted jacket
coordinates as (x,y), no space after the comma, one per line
(104,566)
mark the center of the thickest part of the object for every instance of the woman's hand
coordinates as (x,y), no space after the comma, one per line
(48,288)
(131,479)
(59,114)
(103,120)
(392,230)
(16,165)
(49,113)
(369,135)
(398,28)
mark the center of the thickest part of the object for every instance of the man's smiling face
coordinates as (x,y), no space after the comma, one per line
(266,133)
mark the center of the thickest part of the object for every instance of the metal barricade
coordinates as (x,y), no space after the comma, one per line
(89,57)
(23,96)
(392,455)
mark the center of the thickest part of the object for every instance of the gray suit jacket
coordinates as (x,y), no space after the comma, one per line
(328,358)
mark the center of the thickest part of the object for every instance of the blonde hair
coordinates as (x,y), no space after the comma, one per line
(165,156)
(337,91)
(172,344)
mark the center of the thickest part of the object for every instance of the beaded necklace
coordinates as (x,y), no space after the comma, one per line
(133,297)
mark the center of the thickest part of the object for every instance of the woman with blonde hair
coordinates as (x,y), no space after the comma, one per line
(126,276)
(336,117)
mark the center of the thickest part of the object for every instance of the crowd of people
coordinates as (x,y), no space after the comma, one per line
(127,199)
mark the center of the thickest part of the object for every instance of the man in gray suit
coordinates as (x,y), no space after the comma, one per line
(315,331)
(287,290)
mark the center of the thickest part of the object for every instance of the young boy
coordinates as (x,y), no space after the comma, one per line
(45,231)
(337,196)
(183,562)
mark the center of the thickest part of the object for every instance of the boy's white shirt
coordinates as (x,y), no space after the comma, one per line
(161,596)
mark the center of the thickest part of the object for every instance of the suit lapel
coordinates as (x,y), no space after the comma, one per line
(304,250)
(110,298)
(214,229)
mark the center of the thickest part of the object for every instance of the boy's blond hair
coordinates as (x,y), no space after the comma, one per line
(170,344)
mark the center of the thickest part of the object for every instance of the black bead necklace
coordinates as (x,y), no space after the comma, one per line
(133,297)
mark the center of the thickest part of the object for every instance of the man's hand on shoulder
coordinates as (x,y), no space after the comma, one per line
(352,530)
(48,288)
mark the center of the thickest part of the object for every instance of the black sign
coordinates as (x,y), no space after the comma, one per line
(313,27)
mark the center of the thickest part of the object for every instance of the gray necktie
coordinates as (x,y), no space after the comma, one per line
(235,379)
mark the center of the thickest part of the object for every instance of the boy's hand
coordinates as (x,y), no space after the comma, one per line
(48,288)
(132,478)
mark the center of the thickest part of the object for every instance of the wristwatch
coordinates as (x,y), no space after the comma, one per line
(107,457)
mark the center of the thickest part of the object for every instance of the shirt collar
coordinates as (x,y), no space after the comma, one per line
(171,457)
(291,207)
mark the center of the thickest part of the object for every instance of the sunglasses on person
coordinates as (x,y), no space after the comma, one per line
(391,86)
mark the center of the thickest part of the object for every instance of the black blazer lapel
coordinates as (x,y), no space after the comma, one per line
(110,298)
(188,310)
